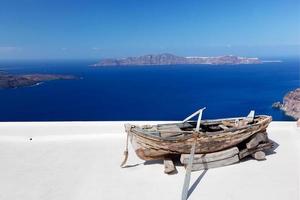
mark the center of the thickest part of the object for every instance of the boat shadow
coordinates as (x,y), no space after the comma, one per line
(267,152)
(153,162)
(175,159)
(197,181)
(134,165)
(272,150)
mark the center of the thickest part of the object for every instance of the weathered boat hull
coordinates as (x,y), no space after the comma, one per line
(150,147)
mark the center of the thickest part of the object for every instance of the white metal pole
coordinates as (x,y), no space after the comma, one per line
(193,115)
(199,119)
(187,178)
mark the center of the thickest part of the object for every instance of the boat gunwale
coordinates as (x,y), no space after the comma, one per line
(191,133)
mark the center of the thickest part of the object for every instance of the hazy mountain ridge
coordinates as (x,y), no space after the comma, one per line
(170,59)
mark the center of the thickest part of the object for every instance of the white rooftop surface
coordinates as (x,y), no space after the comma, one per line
(80,160)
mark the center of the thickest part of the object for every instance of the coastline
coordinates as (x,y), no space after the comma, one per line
(12,81)
(290,105)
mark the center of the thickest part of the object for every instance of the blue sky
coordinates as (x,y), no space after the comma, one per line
(39,29)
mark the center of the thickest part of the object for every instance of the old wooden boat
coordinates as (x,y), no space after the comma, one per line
(152,142)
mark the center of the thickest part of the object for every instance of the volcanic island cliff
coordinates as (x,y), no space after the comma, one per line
(170,59)
(291,104)
(8,81)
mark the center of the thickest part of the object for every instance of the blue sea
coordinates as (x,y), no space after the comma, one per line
(147,92)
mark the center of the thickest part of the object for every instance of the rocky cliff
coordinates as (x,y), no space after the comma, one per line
(15,81)
(170,59)
(290,104)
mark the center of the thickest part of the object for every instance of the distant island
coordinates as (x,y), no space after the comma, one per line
(291,104)
(8,81)
(170,59)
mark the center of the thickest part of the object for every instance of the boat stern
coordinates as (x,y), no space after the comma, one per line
(128,127)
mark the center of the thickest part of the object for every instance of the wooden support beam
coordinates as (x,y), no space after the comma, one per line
(259,155)
(214,164)
(256,139)
(246,152)
(210,157)
(169,166)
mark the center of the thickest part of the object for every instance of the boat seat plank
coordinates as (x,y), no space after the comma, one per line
(150,131)
(185,125)
(173,128)
(223,127)
(168,127)
(228,124)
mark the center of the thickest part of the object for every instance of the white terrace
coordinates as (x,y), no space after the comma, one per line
(80,160)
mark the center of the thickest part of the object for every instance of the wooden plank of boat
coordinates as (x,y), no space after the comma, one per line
(227,123)
(256,139)
(210,157)
(169,130)
(169,166)
(246,152)
(149,146)
(226,120)
(214,164)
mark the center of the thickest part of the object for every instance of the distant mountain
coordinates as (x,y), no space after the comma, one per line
(170,59)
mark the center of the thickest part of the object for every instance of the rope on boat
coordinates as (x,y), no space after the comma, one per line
(125,152)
